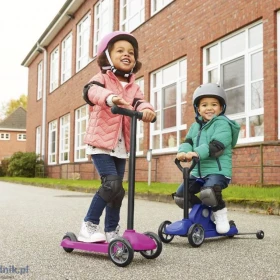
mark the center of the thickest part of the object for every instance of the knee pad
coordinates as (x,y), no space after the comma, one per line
(208,196)
(110,188)
(117,201)
(179,200)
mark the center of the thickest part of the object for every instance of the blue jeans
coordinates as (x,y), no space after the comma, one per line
(105,165)
(210,181)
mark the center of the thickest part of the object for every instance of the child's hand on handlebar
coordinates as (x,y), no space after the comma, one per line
(186,156)
(148,115)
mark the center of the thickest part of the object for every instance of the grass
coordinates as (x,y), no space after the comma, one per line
(234,193)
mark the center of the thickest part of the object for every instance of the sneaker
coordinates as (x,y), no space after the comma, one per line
(112,234)
(222,224)
(90,233)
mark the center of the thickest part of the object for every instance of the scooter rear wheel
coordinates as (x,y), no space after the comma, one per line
(152,254)
(196,235)
(71,236)
(164,237)
(120,252)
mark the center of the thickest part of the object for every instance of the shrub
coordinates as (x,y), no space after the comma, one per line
(23,164)
(4,167)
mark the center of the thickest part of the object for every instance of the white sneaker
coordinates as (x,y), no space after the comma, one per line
(222,224)
(112,234)
(90,233)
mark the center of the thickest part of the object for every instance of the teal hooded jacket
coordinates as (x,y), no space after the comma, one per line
(221,134)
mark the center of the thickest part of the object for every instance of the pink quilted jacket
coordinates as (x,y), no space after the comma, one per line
(103,128)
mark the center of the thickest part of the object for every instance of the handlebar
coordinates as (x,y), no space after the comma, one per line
(127,112)
(195,160)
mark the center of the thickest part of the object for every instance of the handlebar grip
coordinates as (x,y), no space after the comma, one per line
(194,162)
(127,112)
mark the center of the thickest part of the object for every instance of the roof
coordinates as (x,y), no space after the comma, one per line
(63,16)
(16,120)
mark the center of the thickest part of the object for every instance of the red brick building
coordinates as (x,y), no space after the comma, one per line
(13,134)
(182,44)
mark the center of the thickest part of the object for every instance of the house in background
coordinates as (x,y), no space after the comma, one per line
(13,134)
(181,45)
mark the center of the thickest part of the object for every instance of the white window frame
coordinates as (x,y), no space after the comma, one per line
(130,11)
(156,130)
(38,140)
(64,139)
(103,21)
(66,58)
(40,80)
(21,137)
(140,124)
(83,38)
(54,69)
(81,123)
(246,54)
(5,136)
(52,147)
(158,5)
(278,71)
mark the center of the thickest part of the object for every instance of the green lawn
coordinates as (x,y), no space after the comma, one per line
(232,193)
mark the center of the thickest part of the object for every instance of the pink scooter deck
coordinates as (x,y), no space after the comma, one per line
(138,241)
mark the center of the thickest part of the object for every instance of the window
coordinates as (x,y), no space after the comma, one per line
(64,147)
(52,142)
(140,125)
(40,80)
(168,96)
(103,21)
(83,37)
(38,140)
(54,69)
(4,136)
(236,62)
(132,14)
(66,58)
(21,137)
(157,5)
(81,121)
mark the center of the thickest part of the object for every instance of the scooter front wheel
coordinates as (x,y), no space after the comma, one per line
(164,237)
(196,235)
(120,252)
(152,254)
(71,236)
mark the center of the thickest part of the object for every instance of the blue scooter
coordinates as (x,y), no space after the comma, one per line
(198,224)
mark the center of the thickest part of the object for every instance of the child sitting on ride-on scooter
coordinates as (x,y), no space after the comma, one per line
(211,138)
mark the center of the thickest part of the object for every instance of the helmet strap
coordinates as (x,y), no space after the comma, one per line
(115,70)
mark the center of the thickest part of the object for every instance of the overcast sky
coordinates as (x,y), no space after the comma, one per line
(22,22)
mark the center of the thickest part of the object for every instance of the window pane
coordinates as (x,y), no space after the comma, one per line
(156,142)
(233,73)
(257,66)
(257,95)
(242,132)
(158,122)
(169,140)
(256,126)
(233,45)
(169,74)
(183,68)
(212,55)
(169,96)
(235,101)
(256,35)
(213,76)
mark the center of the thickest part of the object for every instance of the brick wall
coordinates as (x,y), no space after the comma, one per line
(182,28)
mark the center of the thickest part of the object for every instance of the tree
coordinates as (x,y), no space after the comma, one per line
(12,105)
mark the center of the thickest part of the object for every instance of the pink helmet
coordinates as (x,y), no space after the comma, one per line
(113,37)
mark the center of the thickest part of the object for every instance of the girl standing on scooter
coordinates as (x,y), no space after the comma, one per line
(211,138)
(108,135)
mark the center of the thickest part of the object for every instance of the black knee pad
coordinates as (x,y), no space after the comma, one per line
(117,201)
(110,188)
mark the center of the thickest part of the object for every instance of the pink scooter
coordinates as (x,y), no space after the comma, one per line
(121,250)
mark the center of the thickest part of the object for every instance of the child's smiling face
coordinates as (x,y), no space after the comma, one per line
(208,107)
(122,55)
